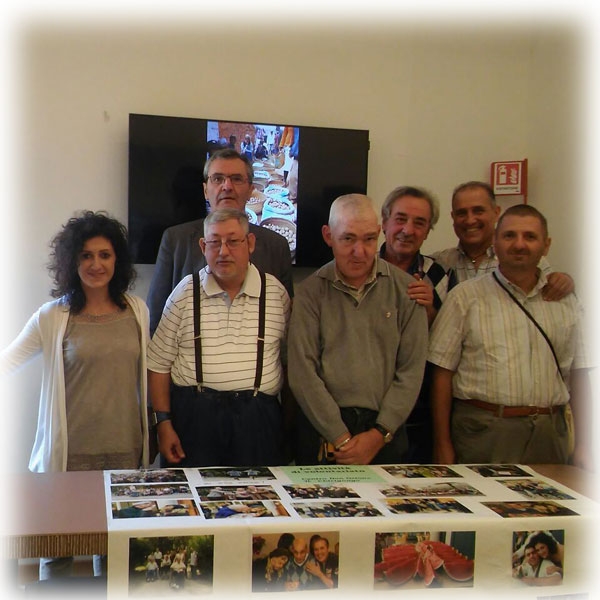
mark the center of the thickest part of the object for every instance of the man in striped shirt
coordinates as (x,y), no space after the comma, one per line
(499,387)
(214,376)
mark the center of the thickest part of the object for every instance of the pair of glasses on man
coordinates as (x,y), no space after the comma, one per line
(219,179)
(230,243)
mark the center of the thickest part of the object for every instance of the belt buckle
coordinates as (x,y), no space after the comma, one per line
(535,415)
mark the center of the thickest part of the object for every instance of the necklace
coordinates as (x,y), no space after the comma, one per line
(473,259)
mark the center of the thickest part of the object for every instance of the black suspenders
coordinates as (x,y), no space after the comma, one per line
(260,342)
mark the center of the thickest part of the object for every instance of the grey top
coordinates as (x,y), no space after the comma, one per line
(367,353)
(101,357)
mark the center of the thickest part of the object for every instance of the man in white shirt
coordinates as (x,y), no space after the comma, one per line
(498,395)
(215,372)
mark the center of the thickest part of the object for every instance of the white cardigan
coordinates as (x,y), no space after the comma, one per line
(44,333)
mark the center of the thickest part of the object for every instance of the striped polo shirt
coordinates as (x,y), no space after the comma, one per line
(229,332)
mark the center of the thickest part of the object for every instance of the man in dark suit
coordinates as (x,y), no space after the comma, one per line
(227,183)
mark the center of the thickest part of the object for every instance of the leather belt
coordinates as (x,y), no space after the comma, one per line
(502,410)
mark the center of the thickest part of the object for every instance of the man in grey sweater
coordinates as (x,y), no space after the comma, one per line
(356,346)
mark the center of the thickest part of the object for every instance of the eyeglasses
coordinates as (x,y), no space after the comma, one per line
(232,244)
(219,179)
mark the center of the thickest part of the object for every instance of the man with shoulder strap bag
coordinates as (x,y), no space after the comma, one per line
(215,369)
(507,363)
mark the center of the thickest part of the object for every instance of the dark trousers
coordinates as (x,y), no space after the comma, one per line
(226,428)
(357,420)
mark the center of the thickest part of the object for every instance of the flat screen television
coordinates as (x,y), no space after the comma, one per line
(298,172)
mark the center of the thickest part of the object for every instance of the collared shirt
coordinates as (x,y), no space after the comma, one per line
(496,352)
(442,280)
(357,293)
(229,334)
(465,269)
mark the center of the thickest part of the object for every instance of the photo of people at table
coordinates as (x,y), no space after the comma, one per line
(236,492)
(166,566)
(535,488)
(295,562)
(243,509)
(234,474)
(148,476)
(318,510)
(538,557)
(499,471)
(416,471)
(180,507)
(424,559)
(314,491)
(444,488)
(149,491)
(425,505)
(541,508)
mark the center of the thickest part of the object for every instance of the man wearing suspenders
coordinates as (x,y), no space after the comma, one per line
(214,361)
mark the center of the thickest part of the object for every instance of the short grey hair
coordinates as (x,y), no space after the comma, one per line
(227,214)
(415,192)
(358,203)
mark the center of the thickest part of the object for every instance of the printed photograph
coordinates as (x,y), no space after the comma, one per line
(149,476)
(232,492)
(150,491)
(181,507)
(316,491)
(234,474)
(424,559)
(538,557)
(243,509)
(425,505)
(534,488)
(442,488)
(171,566)
(499,471)
(540,508)
(318,510)
(414,471)
(295,562)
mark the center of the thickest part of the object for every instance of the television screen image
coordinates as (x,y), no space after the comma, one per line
(298,172)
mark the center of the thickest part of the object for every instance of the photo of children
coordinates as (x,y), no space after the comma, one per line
(538,557)
(166,566)
(424,559)
(295,562)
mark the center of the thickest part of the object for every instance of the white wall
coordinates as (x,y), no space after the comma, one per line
(441,104)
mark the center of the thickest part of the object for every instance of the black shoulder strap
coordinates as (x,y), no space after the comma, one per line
(260,342)
(197,336)
(531,317)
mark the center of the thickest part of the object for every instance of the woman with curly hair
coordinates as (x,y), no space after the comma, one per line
(93,336)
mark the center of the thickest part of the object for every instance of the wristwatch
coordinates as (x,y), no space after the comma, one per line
(158,416)
(387,435)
